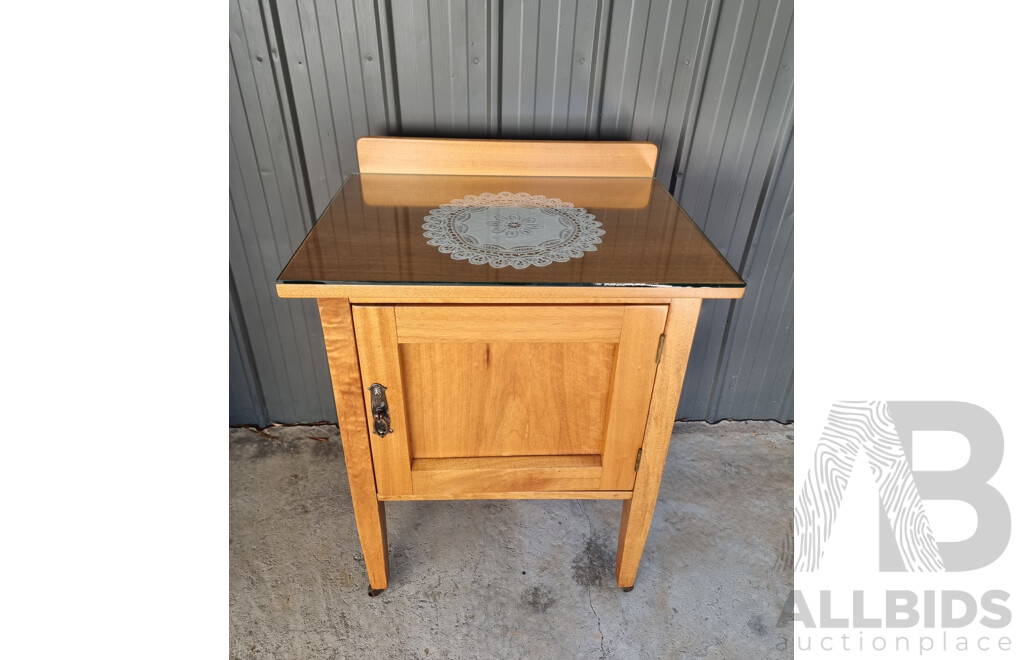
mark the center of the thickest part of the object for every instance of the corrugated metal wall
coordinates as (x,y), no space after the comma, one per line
(709,81)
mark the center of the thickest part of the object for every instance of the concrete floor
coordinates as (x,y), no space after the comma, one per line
(514,579)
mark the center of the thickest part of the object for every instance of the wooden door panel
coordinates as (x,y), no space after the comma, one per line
(507,323)
(506,399)
(523,473)
(630,399)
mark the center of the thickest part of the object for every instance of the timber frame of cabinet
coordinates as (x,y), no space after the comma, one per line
(485,386)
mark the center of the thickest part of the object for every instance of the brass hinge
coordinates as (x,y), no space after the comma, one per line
(661,345)
(636,467)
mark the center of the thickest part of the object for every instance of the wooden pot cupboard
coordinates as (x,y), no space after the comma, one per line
(506,319)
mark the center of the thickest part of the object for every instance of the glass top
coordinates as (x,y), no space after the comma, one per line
(495,230)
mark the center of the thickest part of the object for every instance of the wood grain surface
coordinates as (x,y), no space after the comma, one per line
(668,383)
(506,399)
(339,338)
(384,155)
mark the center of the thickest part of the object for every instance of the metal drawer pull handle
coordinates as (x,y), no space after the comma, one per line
(379,408)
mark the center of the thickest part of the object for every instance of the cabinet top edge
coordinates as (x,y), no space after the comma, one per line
(420,293)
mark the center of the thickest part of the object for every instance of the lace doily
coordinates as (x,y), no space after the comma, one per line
(512,229)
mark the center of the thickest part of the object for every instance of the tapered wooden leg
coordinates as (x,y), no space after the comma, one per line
(668,384)
(339,338)
(373,536)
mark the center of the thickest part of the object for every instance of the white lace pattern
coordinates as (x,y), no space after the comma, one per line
(512,229)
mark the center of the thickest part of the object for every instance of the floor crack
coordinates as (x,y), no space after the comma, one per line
(604,654)
(590,596)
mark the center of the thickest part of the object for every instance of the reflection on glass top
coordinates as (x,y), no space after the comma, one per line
(422,229)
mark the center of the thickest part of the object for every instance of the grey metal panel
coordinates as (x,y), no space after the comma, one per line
(759,350)
(414,74)
(267,222)
(520,34)
(334,68)
(758,367)
(246,404)
(443,66)
(548,67)
(672,75)
(622,72)
(709,81)
(787,402)
(744,115)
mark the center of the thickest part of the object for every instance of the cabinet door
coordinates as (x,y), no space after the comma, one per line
(486,399)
